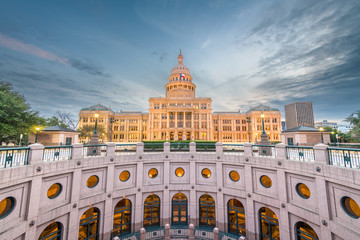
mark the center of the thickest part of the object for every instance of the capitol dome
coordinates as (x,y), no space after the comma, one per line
(180,72)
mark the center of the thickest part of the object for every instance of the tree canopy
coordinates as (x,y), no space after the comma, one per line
(354,119)
(16,116)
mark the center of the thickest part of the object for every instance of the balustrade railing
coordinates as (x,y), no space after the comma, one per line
(153,147)
(264,150)
(344,157)
(57,153)
(300,153)
(205,147)
(121,149)
(237,149)
(10,157)
(94,150)
(178,147)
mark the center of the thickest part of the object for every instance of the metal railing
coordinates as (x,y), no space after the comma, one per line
(153,147)
(344,157)
(10,157)
(129,236)
(204,233)
(179,231)
(300,153)
(179,147)
(129,148)
(205,147)
(237,149)
(155,233)
(94,150)
(228,236)
(57,153)
(264,150)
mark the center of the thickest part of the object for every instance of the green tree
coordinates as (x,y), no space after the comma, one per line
(354,119)
(54,121)
(16,116)
(87,130)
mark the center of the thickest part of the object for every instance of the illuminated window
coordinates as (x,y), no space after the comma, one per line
(89,224)
(124,176)
(207,211)
(6,206)
(54,190)
(92,181)
(179,210)
(236,217)
(350,207)
(305,232)
(51,232)
(265,181)
(234,175)
(122,217)
(269,224)
(206,173)
(153,173)
(152,211)
(303,190)
(179,172)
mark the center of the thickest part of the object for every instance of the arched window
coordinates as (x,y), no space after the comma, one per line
(207,211)
(236,217)
(305,232)
(122,217)
(269,224)
(89,224)
(152,211)
(51,232)
(179,209)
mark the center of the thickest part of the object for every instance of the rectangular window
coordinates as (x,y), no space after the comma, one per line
(68,141)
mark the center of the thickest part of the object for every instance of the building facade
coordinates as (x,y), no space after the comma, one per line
(180,115)
(326,123)
(298,114)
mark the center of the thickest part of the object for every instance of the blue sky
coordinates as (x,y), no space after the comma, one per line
(65,55)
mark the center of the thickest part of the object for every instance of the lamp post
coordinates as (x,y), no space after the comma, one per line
(96,118)
(36,136)
(248,120)
(263,126)
(111,128)
(321,131)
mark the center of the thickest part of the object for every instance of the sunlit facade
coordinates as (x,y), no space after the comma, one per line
(180,115)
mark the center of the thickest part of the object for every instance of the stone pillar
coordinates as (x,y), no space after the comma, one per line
(140,148)
(139,202)
(248,149)
(34,202)
(216,233)
(219,148)
(166,147)
(191,232)
(110,149)
(192,146)
(321,154)
(142,234)
(77,151)
(176,124)
(281,150)
(167,231)
(35,153)
(220,207)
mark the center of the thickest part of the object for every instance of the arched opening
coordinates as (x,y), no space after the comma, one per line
(122,217)
(269,224)
(179,209)
(152,211)
(207,211)
(236,217)
(180,136)
(188,136)
(172,136)
(89,224)
(305,232)
(51,232)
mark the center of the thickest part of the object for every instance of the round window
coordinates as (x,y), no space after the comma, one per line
(350,207)
(153,173)
(124,176)
(179,172)
(6,206)
(92,181)
(54,190)
(303,190)
(265,181)
(234,175)
(206,173)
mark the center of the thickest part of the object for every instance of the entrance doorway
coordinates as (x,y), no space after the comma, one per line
(179,210)
(188,136)
(180,136)
(171,136)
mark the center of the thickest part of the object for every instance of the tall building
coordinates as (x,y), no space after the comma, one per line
(180,115)
(326,123)
(299,114)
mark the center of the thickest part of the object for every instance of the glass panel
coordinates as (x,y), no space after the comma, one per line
(51,232)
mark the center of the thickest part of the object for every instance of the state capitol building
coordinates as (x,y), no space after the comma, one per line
(180,115)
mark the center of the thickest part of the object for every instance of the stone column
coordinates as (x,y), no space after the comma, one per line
(219,149)
(216,233)
(140,148)
(139,202)
(192,147)
(166,147)
(248,149)
(34,201)
(220,207)
(192,126)
(35,153)
(176,121)
(142,234)
(191,232)
(321,154)
(110,149)
(281,150)
(77,151)
(167,231)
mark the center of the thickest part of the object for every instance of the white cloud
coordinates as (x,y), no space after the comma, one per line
(206,43)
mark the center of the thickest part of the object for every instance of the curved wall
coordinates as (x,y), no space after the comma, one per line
(34,211)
